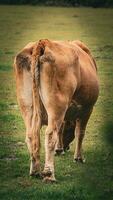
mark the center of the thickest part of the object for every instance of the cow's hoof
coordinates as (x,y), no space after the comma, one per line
(48,179)
(79,160)
(47,173)
(35,174)
(59,152)
(34,169)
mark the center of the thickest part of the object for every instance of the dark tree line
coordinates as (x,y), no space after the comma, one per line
(93,3)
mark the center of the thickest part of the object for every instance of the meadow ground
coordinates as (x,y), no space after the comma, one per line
(94,179)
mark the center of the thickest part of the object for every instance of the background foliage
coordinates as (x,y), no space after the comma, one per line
(93,3)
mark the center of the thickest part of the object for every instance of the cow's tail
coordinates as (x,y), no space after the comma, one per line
(35,69)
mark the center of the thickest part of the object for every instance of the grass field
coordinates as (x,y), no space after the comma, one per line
(94,179)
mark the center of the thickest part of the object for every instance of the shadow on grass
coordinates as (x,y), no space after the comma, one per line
(107,131)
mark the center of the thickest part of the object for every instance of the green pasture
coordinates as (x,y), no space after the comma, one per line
(94,179)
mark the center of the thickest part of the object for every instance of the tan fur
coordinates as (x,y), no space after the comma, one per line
(55,80)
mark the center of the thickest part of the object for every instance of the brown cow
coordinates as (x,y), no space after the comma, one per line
(57,85)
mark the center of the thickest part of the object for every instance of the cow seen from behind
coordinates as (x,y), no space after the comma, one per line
(57,86)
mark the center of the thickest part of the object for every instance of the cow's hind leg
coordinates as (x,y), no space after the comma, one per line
(32,135)
(81,124)
(24,84)
(24,94)
(51,135)
(33,144)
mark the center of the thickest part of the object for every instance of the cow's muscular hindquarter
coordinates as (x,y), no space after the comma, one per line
(57,86)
